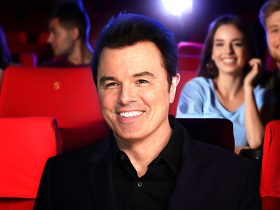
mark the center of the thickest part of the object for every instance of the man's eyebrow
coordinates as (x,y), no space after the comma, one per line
(106,78)
(144,73)
(273,26)
(140,74)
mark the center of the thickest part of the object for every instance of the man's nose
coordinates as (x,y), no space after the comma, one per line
(127,94)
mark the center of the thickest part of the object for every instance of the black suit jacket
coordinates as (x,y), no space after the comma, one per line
(209,178)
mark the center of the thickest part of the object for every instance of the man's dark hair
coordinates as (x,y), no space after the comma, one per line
(268,8)
(70,15)
(128,29)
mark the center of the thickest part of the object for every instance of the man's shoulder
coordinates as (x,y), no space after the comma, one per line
(222,158)
(80,156)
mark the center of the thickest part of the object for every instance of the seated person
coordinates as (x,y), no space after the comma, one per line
(148,161)
(225,86)
(5,56)
(69,28)
(269,16)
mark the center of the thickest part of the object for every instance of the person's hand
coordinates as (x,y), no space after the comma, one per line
(255,64)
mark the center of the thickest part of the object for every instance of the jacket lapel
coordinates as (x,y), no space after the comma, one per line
(189,176)
(100,177)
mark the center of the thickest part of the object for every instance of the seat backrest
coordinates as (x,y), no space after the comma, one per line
(211,130)
(189,48)
(16,36)
(28,59)
(270,171)
(68,94)
(43,37)
(188,62)
(185,77)
(26,144)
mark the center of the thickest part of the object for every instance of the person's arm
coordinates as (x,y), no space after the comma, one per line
(253,124)
(191,100)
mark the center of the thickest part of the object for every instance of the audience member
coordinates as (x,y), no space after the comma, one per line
(270,19)
(149,161)
(5,57)
(69,28)
(225,86)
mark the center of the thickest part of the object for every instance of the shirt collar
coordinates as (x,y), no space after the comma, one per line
(171,153)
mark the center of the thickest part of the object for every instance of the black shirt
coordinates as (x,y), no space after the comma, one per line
(154,189)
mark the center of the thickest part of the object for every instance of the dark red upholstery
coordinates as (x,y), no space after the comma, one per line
(211,130)
(270,172)
(189,48)
(185,77)
(43,37)
(28,59)
(26,144)
(188,62)
(16,36)
(68,94)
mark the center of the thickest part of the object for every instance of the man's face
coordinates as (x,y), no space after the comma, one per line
(60,38)
(273,35)
(133,91)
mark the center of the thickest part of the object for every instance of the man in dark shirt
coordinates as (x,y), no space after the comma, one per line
(149,161)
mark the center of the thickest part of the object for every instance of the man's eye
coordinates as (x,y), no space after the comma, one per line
(111,85)
(142,81)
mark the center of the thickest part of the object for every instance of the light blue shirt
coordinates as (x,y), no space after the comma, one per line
(198,99)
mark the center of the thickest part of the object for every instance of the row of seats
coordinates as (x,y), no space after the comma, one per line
(23,155)
(25,145)
(57,109)
(68,94)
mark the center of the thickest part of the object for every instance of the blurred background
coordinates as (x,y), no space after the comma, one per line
(30,16)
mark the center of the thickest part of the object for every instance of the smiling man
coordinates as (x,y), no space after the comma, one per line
(149,161)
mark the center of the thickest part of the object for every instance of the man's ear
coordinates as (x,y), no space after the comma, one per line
(174,83)
(75,33)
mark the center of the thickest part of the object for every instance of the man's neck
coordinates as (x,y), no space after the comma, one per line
(81,54)
(142,152)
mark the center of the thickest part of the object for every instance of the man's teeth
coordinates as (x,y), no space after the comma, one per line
(130,114)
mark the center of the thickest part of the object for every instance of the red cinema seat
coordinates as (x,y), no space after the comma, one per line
(270,171)
(27,59)
(16,36)
(185,77)
(189,48)
(68,94)
(43,37)
(25,146)
(188,62)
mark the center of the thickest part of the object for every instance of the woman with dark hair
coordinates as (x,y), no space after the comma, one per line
(5,57)
(225,86)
